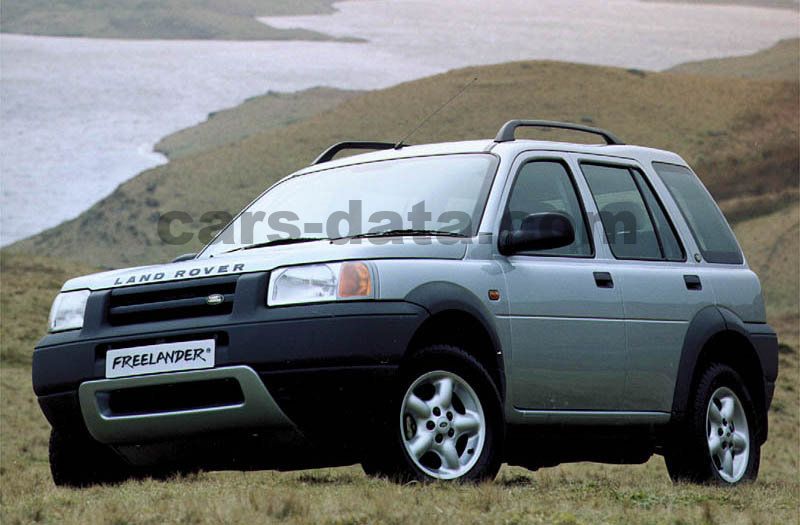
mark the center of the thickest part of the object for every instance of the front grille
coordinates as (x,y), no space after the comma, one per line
(175,397)
(167,301)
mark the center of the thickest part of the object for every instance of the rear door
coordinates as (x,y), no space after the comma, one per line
(716,255)
(661,290)
(568,347)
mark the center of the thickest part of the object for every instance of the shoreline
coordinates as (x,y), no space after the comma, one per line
(161,146)
(789,5)
(400,76)
(168,20)
(245,163)
(225,27)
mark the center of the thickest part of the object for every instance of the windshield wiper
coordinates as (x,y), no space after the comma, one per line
(277,242)
(409,232)
(367,235)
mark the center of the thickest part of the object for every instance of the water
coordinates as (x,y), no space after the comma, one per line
(647,35)
(80,116)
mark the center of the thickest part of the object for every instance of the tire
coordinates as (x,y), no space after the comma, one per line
(432,432)
(730,431)
(78,461)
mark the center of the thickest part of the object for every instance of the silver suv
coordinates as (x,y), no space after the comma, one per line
(429,312)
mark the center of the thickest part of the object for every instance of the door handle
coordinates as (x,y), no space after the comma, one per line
(692,282)
(603,280)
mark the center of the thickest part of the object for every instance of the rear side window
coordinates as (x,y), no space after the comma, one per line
(710,230)
(635,225)
(673,251)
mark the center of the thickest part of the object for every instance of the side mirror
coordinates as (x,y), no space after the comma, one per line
(538,231)
(184,257)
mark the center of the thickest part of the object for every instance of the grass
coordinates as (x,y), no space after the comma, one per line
(567,495)
(713,122)
(159,19)
(777,63)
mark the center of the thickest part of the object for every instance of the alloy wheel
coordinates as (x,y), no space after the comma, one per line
(728,434)
(442,425)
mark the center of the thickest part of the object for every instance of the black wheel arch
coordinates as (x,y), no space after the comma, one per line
(458,317)
(719,335)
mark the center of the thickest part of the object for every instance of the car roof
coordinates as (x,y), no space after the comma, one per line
(502,149)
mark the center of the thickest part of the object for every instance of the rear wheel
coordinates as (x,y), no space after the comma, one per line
(445,424)
(717,443)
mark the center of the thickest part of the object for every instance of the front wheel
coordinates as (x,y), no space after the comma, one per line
(447,424)
(76,460)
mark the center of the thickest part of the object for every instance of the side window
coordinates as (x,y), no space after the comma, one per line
(710,230)
(635,223)
(673,250)
(546,186)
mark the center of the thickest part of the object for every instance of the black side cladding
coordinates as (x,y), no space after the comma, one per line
(760,359)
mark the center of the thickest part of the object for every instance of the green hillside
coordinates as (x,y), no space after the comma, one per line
(263,113)
(158,19)
(740,135)
(779,62)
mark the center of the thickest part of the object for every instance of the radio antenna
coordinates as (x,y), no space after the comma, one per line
(400,144)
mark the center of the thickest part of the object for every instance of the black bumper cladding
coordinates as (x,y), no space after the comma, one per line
(310,359)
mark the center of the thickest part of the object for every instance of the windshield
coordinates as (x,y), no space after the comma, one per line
(444,193)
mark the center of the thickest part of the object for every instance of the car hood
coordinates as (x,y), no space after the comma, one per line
(269,258)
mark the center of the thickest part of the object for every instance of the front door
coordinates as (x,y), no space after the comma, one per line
(568,348)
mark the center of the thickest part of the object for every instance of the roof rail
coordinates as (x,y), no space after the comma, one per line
(331,152)
(506,133)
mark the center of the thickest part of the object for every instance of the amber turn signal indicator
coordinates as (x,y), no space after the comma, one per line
(355,280)
(494,295)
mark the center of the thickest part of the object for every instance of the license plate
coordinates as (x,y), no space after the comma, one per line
(166,357)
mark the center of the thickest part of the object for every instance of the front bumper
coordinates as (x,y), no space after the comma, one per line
(300,369)
(255,409)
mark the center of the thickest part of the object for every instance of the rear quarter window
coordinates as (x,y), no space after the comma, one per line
(709,228)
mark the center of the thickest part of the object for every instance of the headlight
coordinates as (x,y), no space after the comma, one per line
(67,311)
(317,283)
